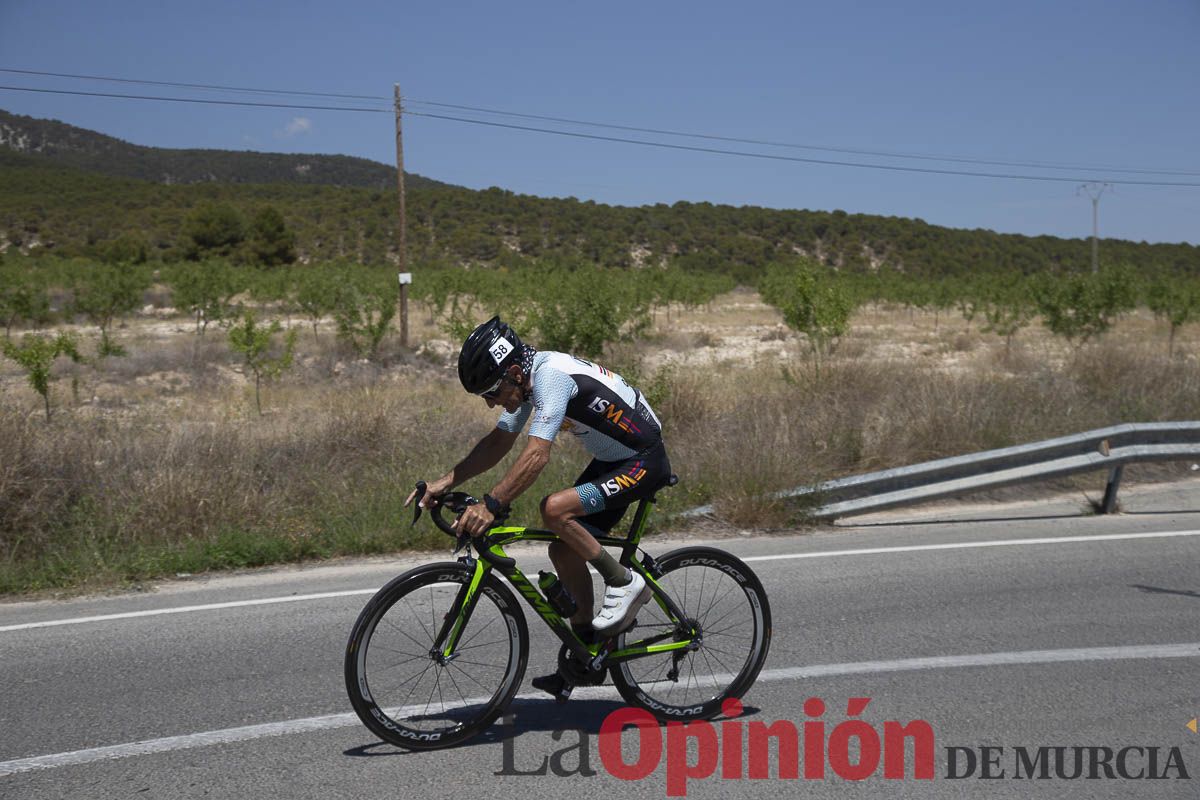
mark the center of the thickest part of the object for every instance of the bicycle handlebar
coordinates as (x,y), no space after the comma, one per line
(458,503)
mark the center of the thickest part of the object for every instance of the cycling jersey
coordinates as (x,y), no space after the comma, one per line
(607,416)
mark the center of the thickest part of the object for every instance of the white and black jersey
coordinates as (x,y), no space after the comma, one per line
(608,416)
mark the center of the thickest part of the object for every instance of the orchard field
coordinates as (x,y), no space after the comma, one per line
(176,418)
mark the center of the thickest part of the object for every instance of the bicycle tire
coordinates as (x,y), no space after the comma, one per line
(727,600)
(397,685)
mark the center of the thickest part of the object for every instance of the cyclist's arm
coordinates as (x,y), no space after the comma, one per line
(483,456)
(551,393)
(524,472)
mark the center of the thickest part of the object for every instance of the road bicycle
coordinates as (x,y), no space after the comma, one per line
(440,651)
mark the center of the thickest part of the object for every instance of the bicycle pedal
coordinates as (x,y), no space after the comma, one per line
(564,694)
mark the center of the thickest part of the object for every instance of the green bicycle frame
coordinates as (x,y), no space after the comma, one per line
(492,556)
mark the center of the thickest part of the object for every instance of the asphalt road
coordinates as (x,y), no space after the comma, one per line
(1014,627)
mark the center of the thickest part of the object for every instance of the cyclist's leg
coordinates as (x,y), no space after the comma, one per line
(571,567)
(602,498)
(573,572)
(560,513)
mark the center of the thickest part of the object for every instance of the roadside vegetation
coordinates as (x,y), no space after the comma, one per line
(236,416)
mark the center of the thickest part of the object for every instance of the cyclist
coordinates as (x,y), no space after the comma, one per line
(611,419)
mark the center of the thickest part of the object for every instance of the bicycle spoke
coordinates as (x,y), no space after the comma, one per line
(416,677)
(712,673)
(461,695)
(461,649)
(401,663)
(406,634)
(732,632)
(704,616)
(432,692)
(478,630)
(732,654)
(417,617)
(401,652)
(478,664)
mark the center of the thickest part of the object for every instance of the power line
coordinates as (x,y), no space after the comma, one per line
(597,137)
(613,126)
(197,100)
(825,148)
(145,82)
(797,159)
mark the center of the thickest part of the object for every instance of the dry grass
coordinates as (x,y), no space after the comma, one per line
(159,464)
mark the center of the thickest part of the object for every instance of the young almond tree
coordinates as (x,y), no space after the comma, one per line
(106,292)
(316,293)
(364,310)
(1082,306)
(206,289)
(254,342)
(20,300)
(812,302)
(1175,300)
(36,354)
(1007,306)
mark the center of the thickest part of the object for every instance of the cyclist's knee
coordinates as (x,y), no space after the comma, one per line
(556,509)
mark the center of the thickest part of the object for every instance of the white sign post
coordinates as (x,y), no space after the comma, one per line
(405,280)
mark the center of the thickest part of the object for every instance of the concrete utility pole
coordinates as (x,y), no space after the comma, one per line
(402,225)
(1094,190)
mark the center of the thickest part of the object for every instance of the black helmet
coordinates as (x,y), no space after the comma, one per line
(486,354)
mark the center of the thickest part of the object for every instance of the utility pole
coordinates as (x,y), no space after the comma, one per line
(402,225)
(1094,190)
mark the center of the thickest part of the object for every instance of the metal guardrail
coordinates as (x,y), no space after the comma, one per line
(1103,449)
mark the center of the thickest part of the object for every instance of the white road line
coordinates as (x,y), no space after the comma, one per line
(967,545)
(332,721)
(154,612)
(822,554)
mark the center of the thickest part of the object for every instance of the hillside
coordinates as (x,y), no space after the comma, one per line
(67,145)
(50,203)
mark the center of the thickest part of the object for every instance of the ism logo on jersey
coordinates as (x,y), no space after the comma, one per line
(614,415)
(624,481)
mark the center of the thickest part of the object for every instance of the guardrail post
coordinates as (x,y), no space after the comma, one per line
(1110,491)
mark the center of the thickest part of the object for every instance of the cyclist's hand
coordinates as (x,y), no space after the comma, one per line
(433,490)
(475,521)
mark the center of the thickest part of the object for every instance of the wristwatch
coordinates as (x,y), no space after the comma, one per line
(494,506)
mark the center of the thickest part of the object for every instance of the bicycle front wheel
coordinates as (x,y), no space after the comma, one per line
(403,687)
(725,602)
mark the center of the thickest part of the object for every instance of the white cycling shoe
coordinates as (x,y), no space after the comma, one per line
(620,605)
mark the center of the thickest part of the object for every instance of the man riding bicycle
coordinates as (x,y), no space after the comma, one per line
(611,419)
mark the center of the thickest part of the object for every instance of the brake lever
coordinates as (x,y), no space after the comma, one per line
(464,539)
(421,488)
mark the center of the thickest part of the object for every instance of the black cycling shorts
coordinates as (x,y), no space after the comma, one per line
(607,488)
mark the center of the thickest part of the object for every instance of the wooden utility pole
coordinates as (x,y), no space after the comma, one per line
(402,225)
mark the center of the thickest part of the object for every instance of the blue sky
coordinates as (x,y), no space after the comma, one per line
(1096,85)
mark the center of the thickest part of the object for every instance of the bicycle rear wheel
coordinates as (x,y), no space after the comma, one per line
(725,601)
(402,688)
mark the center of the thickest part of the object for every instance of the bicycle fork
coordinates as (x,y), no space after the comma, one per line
(456,619)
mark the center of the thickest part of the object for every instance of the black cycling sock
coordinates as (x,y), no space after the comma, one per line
(611,571)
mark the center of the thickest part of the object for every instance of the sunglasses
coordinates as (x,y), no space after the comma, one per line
(493,393)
